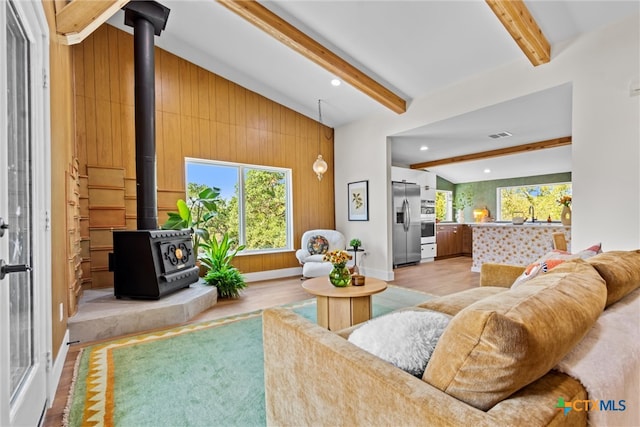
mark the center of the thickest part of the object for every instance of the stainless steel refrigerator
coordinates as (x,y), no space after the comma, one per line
(406,223)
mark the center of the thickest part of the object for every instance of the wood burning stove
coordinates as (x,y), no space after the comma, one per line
(148,263)
(152,263)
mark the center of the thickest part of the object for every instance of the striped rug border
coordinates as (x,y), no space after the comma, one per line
(98,402)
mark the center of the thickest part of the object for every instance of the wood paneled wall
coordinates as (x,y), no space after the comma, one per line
(64,208)
(201,115)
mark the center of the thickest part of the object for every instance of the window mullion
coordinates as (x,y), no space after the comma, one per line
(241,207)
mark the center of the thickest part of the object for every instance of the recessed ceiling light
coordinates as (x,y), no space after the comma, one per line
(487,171)
(424,148)
(335,82)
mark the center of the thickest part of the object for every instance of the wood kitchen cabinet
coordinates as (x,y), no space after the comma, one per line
(453,240)
(448,240)
(466,239)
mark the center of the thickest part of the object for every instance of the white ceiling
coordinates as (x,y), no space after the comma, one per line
(537,117)
(412,47)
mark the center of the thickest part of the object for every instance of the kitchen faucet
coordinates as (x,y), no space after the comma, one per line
(532,213)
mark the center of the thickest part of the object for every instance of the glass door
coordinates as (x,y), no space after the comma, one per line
(22,315)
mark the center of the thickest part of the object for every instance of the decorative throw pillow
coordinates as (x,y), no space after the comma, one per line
(504,342)
(406,339)
(621,272)
(553,259)
(317,245)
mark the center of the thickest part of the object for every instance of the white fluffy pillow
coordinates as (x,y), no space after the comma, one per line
(406,339)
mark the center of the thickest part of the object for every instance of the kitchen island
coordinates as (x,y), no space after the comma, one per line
(507,243)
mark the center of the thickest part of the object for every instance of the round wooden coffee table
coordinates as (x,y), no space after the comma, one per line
(339,308)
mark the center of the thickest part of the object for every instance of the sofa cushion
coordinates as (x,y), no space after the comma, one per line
(621,272)
(500,344)
(496,274)
(316,258)
(405,339)
(552,259)
(451,304)
(317,245)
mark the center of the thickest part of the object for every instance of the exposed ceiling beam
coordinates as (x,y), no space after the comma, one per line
(518,149)
(290,36)
(78,19)
(518,21)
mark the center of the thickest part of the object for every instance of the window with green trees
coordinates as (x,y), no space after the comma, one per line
(444,208)
(255,202)
(544,199)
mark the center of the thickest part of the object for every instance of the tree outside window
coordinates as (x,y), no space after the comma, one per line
(255,207)
(444,202)
(544,199)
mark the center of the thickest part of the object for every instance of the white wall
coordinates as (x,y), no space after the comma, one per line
(605,130)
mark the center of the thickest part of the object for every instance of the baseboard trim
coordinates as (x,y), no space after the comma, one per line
(56,370)
(385,275)
(272,274)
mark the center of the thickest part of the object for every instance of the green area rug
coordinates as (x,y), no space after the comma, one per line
(205,374)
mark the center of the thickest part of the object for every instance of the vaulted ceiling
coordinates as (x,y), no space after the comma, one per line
(408,48)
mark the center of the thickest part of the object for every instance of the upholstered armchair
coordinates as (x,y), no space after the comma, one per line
(315,243)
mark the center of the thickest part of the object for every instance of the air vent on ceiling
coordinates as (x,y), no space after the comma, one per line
(500,135)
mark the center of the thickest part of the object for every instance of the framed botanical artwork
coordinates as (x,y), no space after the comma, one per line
(358,202)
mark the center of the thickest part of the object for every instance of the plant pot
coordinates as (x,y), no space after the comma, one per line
(339,276)
(203,269)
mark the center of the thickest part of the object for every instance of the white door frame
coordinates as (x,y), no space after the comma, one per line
(34,399)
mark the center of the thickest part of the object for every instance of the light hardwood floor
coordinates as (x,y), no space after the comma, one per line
(438,278)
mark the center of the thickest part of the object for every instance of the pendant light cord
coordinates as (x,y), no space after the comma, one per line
(319,124)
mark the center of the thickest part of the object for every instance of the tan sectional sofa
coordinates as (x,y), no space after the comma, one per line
(492,366)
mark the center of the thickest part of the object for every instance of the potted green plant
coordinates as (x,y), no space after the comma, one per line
(462,200)
(217,256)
(195,213)
(355,243)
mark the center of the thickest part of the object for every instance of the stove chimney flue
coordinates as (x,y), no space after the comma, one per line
(148,18)
(148,263)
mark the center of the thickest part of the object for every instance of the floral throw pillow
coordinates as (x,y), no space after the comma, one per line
(317,245)
(553,259)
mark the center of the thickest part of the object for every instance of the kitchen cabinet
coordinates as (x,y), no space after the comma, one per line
(453,240)
(428,251)
(466,239)
(448,239)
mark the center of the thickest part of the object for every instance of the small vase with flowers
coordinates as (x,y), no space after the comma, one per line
(339,275)
(565,215)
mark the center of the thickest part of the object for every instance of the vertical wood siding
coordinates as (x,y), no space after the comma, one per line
(198,114)
(65,270)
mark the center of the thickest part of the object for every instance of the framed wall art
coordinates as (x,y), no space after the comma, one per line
(358,202)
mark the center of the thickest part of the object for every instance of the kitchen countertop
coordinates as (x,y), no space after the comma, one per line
(509,224)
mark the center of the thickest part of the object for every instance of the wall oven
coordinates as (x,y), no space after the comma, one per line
(428,221)
(428,231)
(428,209)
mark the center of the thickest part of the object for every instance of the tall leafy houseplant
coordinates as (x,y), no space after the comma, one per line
(463,199)
(195,213)
(217,256)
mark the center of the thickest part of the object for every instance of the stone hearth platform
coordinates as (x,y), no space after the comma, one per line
(100,315)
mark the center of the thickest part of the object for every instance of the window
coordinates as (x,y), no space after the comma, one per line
(255,207)
(444,208)
(544,199)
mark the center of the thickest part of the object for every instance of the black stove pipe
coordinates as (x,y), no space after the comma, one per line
(147,18)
